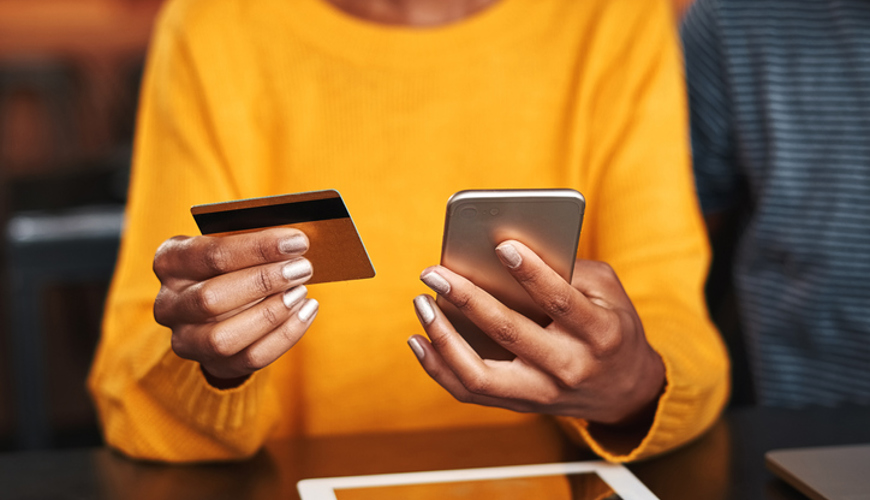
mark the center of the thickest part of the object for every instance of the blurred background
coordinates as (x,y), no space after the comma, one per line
(69,82)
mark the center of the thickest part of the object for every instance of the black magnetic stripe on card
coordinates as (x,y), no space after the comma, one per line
(272,215)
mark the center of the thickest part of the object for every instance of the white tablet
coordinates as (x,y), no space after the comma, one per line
(595,480)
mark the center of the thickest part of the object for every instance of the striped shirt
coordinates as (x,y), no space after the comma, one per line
(779,93)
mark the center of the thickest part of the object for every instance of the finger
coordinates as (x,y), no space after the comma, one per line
(563,303)
(594,309)
(599,282)
(217,296)
(202,257)
(272,346)
(531,392)
(252,325)
(167,301)
(451,362)
(237,310)
(220,340)
(444,337)
(435,366)
(511,330)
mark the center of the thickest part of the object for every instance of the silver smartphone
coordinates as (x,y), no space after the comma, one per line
(546,220)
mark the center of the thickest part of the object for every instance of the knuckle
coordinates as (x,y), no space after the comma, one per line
(287,333)
(462,300)
(291,332)
(251,361)
(162,261)
(477,383)
(609,345)
(609,338)
(264,281)
(160,266)
(571,376)
(544,397)
(270,316)
(264,250)
(438,340)
(205,299)
(505,333)
(603,270)
(526,275)
(219,343)
(217,258)
(557,305)
(180,346)
(162,307)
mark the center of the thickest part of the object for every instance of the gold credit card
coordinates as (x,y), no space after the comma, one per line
(335,250)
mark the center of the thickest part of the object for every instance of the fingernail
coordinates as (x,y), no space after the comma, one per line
(308,311)
(417,348)
(294,295)
(509,255)
(296,269)
(292,244)
(436,282)
(424,309)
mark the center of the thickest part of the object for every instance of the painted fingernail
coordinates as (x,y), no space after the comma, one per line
(296,269)
(436,282)
(424,309)
(308,311)
(292,244)
(509,255)
(294,295)
(417,348)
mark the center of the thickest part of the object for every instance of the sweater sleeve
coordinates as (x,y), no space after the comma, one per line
(643,219)
(151,403)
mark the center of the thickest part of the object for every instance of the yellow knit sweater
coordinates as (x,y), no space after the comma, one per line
(253,98)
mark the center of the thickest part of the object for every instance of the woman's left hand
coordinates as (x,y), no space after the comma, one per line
(593,361)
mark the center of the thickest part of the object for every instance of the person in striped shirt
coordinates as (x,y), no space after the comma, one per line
(779,93)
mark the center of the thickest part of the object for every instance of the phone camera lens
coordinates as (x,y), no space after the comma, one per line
(493,211)
(468,212)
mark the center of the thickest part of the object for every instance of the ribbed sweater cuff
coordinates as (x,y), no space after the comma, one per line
(669,429)
(181,386)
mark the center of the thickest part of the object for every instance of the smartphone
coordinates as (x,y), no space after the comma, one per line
(548,221)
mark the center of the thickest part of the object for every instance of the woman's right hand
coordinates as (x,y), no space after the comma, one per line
(234,303)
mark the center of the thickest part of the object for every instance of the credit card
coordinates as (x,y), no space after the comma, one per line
(335,250)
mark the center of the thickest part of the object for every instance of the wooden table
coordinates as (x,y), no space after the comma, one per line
(726,463)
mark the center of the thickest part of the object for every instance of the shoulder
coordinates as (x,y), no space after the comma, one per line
(632,33)
(195,15)
(214,34)
(633,26)
(621,17)
(214,21)
(638,13)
